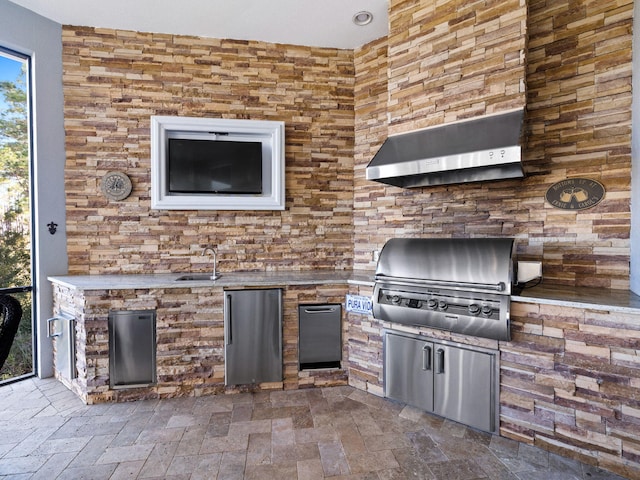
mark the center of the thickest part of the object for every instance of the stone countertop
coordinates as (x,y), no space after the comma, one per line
(623,301)
(226,280)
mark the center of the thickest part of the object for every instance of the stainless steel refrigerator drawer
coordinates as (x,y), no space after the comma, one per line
(320,336)
(132,348)
(253,336)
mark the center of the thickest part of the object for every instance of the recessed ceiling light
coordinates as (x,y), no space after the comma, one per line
(362,18)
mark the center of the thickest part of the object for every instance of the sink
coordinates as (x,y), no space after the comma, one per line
(197,276)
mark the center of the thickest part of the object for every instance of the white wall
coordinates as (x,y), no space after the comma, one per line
(23,31)
(635,154)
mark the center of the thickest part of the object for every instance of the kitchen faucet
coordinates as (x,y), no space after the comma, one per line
(214,276)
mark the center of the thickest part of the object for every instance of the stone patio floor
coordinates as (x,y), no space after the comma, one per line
(46,432)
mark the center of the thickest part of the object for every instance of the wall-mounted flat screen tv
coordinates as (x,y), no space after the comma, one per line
(214,166)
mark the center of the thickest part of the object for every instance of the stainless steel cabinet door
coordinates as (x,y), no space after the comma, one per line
(132,348)
(463,381)
(253,336)
(408,375)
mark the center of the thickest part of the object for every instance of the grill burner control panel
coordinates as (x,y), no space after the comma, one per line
(478,314)
(442,303)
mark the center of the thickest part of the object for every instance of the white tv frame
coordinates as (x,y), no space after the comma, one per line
(269,133)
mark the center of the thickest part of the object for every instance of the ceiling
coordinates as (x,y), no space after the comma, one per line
(321,23)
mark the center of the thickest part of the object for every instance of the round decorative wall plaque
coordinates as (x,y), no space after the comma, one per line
(575,194)
(116,185)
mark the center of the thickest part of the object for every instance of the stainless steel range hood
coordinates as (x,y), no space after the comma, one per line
(480,149)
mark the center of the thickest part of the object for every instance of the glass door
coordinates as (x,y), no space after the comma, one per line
(16,259)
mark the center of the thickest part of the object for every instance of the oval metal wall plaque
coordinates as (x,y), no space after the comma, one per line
(575,194)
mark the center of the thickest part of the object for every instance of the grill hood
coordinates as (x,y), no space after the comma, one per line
(481,149)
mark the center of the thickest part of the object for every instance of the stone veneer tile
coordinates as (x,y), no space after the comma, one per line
(577,92)
(115,80)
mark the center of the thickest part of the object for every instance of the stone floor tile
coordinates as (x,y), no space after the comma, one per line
(188,420)
(352,442)
(197,466)
(546,475)
(282,432)
(253,426)
(309,469)
(158,461)
(367,426)
(60,445)
(290,454)
(127,470)
(241,413)
(426,448)
(94,472)
(229,443)
(26,464)
(504,447)
(160,435)
(289,398)
(457,470)
(125,454)
(127,436)
(11,436)
(273,472)
(232,466)
(565,464)
(333,459)
(386,441)
(30,444)
(315,435)
(259,449)
(54,466)
(220,419)
(191,441)
(411,465)
(372,461)
(92,451)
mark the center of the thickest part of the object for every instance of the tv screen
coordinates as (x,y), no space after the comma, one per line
(214,166)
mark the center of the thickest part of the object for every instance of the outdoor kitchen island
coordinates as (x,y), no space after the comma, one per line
(189,329)
(569,377)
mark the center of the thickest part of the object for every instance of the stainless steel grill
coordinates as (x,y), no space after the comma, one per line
(462,284)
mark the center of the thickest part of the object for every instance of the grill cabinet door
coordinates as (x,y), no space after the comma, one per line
(408,373)
(463,384)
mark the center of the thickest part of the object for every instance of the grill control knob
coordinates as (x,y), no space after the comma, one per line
(487,310)
(432,303)
(396,299)
(474,309)
(442,305)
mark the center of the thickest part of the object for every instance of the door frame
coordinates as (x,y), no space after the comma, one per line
(41,39)
(26,59)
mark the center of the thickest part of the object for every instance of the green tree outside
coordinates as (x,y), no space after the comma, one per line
(15,217)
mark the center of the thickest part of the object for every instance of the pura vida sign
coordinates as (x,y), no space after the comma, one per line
(575,194)
(359,304)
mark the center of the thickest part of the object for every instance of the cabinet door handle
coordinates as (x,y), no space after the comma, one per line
(51,328)
(440,360)
(319,310)
(230,320)
(426,357)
